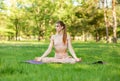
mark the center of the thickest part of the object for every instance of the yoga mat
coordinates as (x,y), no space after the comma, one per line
(99,62)
(33,62)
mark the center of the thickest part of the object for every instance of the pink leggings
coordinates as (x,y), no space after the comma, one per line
(56,60)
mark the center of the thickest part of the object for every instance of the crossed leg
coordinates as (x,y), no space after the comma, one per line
(56,60)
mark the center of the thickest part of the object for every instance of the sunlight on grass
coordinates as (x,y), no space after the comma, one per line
(11,68)
(83,66)
(55,65)
(21,42)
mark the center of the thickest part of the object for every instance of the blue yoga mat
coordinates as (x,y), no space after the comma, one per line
(33,62)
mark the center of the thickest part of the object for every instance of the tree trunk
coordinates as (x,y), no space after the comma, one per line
(16,29)
(96,34)
(39,35)
(106,22)
(83,38)
(114,22)
(39,31)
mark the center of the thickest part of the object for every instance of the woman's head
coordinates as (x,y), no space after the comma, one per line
(60,26)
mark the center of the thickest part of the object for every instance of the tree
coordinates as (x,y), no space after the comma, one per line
(114,22)
(16,15)
(41,14)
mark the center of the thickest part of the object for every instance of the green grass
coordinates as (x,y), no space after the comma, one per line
(12,69)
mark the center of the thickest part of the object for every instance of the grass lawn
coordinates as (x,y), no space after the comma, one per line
(12,69)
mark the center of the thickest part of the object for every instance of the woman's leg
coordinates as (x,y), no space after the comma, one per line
(52,60)
(69,60)
(56,60)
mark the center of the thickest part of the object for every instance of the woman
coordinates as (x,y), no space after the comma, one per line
(61,41)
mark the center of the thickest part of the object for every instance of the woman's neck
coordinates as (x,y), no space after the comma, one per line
(59,33)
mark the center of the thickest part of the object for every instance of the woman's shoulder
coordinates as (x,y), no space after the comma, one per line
(52,37)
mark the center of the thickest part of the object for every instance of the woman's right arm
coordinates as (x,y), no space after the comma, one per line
(47,51)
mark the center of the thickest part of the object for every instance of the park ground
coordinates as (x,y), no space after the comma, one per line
(13,69)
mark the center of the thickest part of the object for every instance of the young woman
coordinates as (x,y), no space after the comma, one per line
(61,42)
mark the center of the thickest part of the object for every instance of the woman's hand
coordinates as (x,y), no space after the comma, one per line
(38,58)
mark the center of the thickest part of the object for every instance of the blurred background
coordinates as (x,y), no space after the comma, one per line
(34,20)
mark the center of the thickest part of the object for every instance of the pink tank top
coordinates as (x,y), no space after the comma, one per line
(60,48)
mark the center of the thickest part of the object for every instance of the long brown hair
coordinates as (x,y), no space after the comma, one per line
(64,31)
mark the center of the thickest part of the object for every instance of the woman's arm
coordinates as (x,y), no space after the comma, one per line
(47,51)
(71,48)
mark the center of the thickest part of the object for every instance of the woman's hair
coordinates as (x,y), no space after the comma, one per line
(64,31)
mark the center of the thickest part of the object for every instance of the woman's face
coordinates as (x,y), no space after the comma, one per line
(58,27)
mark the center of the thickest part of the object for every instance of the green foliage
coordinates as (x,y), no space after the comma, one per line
(27,18)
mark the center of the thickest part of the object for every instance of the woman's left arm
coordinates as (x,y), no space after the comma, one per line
(71,48)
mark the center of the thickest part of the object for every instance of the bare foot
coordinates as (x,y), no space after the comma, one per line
(78,60)
(37,58)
